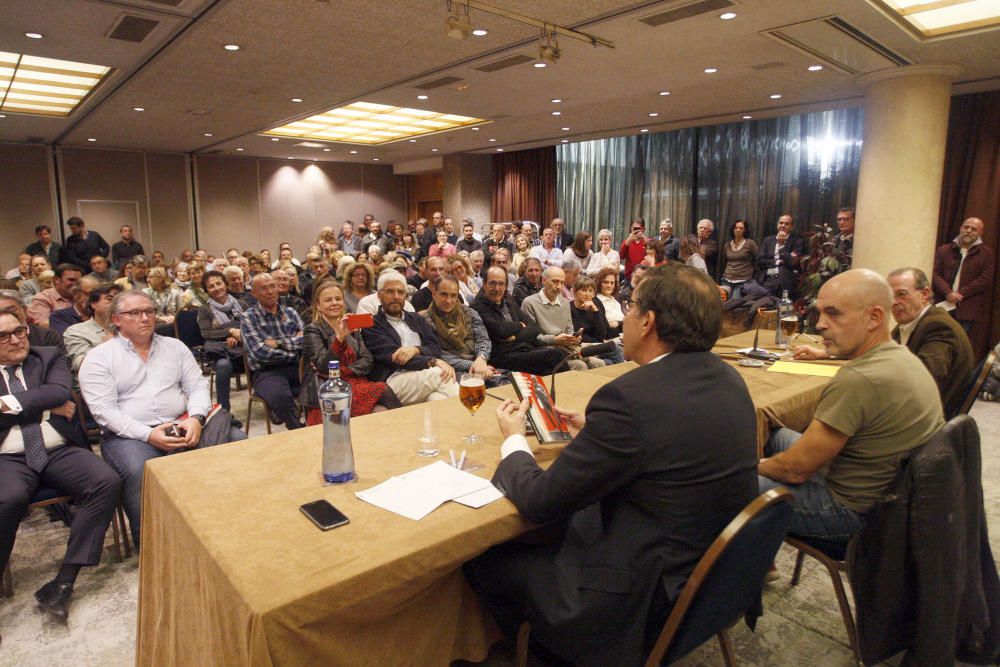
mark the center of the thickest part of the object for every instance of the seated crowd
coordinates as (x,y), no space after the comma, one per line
(444,302)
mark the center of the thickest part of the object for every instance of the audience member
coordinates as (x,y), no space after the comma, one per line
(45,246)
(689,252)
(23,269)
(607,294)
(671,244)
(547,253)
(195,296)
(375,237)
(529,281)
(460,268)
(572,270)
(236,286)
(126,249)
(285,296)
(497,239)
(42,445)
(625,293)
(272,337)
(433,267)
(101,270)
(165,298)
(147,394)
(83,337)
(778,259)
(879,405)
(550,312)
(580,250)
(29,288)
(964,270)
(465,342)
(605,256)
(12,302)
(442,248)
(58,296)
(79,311)
(561,238)
(709,246)
(654,253)
(219,322)
(468,243)
(738,258)
(637,499)
(522,252)
(501,258)
(135,278)
(406,349)
(843,241)
(358,282)
(477,259)
(633,250)
(448,225)
(83,244)
(590,320)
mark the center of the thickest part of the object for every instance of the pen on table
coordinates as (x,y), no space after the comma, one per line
(452,453)
(461,461)
(494,396)
(806,336)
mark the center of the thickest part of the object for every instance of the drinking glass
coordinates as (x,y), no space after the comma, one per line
(789,324)
(428,441)
(472,393)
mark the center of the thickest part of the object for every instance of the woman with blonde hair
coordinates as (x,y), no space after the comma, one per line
(460,268)
(195,295)
(165,297)
(522,250)
(327,338)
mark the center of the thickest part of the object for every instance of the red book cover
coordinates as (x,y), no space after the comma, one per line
(549,427)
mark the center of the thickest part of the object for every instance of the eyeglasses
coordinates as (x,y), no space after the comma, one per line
(19,332)
(626,304)
(137,314)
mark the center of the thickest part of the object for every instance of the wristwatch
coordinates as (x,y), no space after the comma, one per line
(200,418)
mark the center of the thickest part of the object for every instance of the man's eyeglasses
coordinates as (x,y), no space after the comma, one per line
(137,314)
(626,304)
(19,332)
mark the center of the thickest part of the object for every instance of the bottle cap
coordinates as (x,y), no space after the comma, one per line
(333,366)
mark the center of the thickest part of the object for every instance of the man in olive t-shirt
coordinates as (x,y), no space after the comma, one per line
(881,404)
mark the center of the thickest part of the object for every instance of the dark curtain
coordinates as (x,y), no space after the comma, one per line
(971,188)
(525,186)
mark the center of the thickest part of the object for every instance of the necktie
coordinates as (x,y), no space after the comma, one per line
(34,444)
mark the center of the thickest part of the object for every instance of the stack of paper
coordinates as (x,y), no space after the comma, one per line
(418,493)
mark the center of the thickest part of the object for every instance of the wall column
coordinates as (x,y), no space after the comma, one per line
(468,188)
(902,163)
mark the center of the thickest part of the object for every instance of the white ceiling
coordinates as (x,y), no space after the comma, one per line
(331,52)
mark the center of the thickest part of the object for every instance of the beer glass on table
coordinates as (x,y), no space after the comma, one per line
(789,324)
(472,393)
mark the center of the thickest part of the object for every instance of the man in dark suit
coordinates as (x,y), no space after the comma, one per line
(653,474)
(563,239)
(52,452)
(46,246)
(933,335)
(12,302)
(778,260)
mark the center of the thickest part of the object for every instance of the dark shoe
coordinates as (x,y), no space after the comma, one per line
(54,598)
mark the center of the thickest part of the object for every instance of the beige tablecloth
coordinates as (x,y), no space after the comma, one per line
(231,573)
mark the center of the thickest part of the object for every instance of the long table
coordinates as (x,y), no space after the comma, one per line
(231,573)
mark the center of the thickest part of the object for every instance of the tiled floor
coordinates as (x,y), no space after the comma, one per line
(800,626)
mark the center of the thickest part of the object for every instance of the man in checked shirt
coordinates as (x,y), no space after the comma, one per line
(272,338)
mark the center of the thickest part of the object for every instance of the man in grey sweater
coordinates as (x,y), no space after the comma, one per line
(550,312)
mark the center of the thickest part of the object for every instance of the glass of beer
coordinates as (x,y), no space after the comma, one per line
(789,324)
(472,393)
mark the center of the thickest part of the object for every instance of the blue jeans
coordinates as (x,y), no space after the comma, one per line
(128,457)
(223,374)
(817,513)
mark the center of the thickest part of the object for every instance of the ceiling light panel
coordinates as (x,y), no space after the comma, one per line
(943,17)
(372,124)
(43,86)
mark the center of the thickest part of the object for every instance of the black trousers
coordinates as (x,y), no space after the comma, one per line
(71,470)
(279,386)
(537,361)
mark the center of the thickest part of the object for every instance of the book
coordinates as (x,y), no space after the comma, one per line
(549,427)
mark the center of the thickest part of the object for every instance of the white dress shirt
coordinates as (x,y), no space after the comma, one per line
(547,257)
(14,442)
(370,304)
(129,396)
(906,330)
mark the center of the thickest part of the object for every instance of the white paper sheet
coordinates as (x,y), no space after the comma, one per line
(418,493)
(478,499)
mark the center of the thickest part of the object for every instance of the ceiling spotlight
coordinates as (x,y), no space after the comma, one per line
(354,152)
(421,97)
(458,27)
(480,32)
(548,47)
(33,35)
(776,96)
(231,47)
(727,16)
(413,141)
(664,92)
(815,68)
(653,115)
(327,150)
(747,116)
(290,157)
(539,65)
(434,150)
(557,113)
(475,129)
(208,134)
(556,101)
(138,109)
(645,129)
(240,149)
(274,138)
(499,150)
(564,141)
(3,115)
(565,129)
(91,139)
(296,99)
(711,70)
(492,140)
(375,159)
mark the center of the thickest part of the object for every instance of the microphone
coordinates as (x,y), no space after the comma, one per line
(760,353)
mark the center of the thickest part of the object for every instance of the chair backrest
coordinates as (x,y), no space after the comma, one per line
(246,367)
(978,378)
(727,580)
(186,327)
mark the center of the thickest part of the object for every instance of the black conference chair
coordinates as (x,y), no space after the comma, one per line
(725,584)
(978,379)
(187,331)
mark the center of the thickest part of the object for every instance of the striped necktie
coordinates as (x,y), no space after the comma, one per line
(34,444)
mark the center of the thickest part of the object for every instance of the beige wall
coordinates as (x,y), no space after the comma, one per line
(25,198)
(468,187)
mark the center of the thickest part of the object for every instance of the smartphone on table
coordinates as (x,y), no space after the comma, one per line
(324,515)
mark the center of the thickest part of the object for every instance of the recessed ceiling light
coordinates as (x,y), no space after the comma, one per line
(327,150)
(421,97)
(776,96)
(33,35)
(3,115)
(815,68)
(240,149)
(557,113)
(296,99)
(653,115)
(645,129)
(91,139)
(290,157)
(492,140)
(556,101)
(564,141)
(315,160)
(354,152)
(540,65)
(413,141)
(711,70)
(434,150)
(274,139)
(565,129)
(44,86)
(664,92)
(499,150)
(475,129)
(208,134)
(138,109)
(747,116)
(375,159)
(231,47)
(727,16)
(480,32)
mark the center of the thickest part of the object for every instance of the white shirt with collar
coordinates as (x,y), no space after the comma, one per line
(547,257)
(14,442)
(906,330)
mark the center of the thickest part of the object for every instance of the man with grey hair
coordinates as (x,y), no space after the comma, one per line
(709,246)
(550,312)
(12,302)
(136,280)
(406,348)
(882,403)
(671,244)
(147,394)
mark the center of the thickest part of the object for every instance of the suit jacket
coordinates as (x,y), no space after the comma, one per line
(63,319)
(55,253)
(943,346)
(39,336)
(382,340)
(652,479)
(564,241)
(788,269)
(975,283)
(48,382)
(513,336)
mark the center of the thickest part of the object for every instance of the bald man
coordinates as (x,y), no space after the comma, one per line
(963,274)
(882,403)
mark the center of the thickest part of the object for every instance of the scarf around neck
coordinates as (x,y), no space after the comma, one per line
(225,312)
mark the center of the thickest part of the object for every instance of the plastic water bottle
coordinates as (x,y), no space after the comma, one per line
(335,404)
